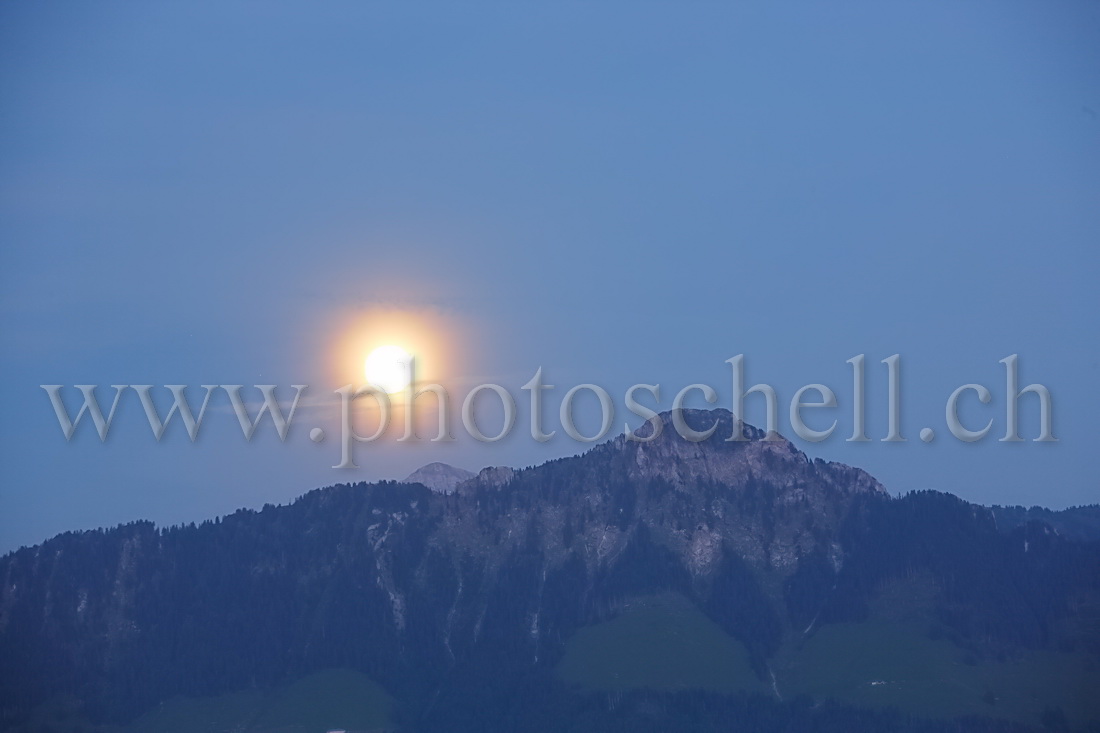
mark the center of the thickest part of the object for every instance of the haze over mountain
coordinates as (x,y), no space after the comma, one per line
(644,585)
(440,477)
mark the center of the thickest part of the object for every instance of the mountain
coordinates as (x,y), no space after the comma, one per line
(640,586)
(439,477)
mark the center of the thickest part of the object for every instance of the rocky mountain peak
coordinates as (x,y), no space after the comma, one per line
(720,459)
(439,477)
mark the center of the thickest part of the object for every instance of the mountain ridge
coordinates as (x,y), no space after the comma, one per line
(412,586)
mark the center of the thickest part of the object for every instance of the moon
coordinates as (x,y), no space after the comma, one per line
(389,368)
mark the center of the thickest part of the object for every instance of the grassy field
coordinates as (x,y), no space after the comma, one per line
(662,643)
(886,663)
(336,698)
(666,643)
(890,660)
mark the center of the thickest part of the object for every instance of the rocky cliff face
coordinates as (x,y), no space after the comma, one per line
(733,463)
(761,496)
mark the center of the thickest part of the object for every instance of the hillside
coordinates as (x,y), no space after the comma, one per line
(740,569)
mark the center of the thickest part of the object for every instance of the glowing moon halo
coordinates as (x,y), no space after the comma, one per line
(389,368)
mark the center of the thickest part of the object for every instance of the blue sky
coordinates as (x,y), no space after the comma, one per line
(618,193)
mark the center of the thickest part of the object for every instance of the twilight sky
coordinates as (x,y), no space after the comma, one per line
(249,193)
